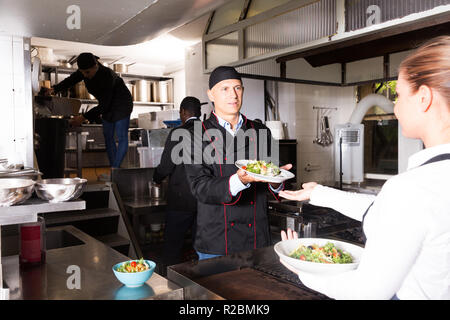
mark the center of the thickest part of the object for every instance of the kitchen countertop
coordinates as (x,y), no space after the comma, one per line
(53,279)
(250,275)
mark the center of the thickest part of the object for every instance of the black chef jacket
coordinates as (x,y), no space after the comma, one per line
(227,224)
(114,98)
(179,196)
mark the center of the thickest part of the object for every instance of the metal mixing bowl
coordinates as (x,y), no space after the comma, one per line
(59,190)
(15,191)
(26,173)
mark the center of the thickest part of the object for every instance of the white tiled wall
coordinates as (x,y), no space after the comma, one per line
(196,80)
(296,103)
(16,115)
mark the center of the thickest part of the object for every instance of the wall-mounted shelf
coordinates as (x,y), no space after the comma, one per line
(130,76)
(135,103)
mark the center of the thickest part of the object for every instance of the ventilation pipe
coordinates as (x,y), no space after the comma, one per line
(368,102)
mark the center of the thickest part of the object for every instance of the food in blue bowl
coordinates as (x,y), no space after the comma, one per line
(134,273)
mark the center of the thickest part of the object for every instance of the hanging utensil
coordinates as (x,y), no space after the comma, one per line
(328,134)
(317,139)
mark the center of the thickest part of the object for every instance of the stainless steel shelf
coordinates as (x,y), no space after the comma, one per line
(135,103)
(27,212)
(47,68)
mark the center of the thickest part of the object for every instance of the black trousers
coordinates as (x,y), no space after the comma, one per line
(177,225)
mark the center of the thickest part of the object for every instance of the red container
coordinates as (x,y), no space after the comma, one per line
(32,243)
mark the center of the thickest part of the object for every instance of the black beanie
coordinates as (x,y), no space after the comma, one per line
(86,60)
(223,73)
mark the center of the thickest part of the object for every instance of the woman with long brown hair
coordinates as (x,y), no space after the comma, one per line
(407,225)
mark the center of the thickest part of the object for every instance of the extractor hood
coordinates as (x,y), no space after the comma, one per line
(103,22)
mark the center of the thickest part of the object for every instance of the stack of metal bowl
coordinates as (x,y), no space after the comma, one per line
(15,191)
(59,190)
(26,173)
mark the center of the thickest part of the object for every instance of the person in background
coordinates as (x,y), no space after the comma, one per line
(232,205)
(407,225)
(180,215)
(115,103)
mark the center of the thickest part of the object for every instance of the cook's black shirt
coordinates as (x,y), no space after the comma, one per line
(114,99)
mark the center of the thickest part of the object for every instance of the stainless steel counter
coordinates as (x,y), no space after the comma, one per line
(250,275)
(54,279)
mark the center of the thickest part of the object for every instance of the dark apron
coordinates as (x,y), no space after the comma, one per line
(441,157)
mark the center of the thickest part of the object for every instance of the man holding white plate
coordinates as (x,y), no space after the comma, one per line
(231,204)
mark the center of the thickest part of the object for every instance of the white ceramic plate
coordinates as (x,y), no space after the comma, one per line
(285,248)
(284,174)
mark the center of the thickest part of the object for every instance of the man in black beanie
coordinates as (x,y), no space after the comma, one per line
(115,103)
(231,205)
(180,215)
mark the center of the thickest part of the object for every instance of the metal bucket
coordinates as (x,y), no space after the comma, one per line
(132,89)
(81,92)
(155,91)
(156,191)
(163,91)
(143,91)
(120,67)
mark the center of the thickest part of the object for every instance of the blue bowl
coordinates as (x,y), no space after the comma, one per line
(136,279)
(142,292)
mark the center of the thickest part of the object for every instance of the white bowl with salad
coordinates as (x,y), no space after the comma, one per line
(134,273)
(265,171)
(318,255)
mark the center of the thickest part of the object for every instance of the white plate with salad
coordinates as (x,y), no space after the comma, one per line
(265,171)
(318,255)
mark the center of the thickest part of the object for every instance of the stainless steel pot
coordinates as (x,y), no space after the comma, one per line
(143,91)
(155,91)
(81,92)
(120,67)
(64,64)
(163,91)
(131,87)
(156,191)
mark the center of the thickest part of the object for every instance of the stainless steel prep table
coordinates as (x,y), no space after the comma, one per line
(153,210)
(95,261)
(251,275)
(133,186)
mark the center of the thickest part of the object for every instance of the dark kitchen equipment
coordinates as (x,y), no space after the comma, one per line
(250,275)
(46,106)
(52,144)
(288,154)
(312,221)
